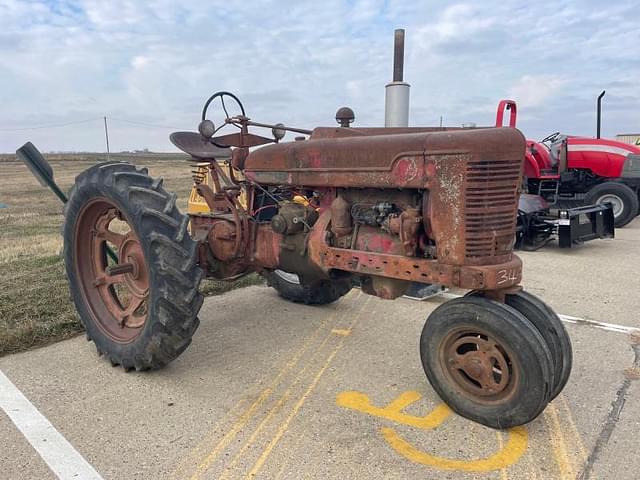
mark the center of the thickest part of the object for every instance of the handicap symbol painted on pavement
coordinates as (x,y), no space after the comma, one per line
(506,456)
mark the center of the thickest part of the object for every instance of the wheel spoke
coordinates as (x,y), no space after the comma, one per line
(102,231)
(105,281)
(112,237)
(456,360)
(486,346)
(125,317)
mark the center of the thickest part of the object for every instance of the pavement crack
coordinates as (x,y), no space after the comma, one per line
(612,419)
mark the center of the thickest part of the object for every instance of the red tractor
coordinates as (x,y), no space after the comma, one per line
(387,207)
(564,168)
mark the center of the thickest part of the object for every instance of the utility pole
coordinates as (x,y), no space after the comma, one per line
(106,136)
(440,121)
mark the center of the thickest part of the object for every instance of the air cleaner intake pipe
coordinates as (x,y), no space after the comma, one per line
(396,103)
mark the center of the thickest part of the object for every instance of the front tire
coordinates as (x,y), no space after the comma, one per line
(320,292)
(552,330)
(487,362)
(143,317)
(621,196)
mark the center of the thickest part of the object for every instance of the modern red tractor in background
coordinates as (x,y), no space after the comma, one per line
(563,168)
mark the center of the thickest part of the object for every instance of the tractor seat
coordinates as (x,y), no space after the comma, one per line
(554,153)
(556,150)
(198,146)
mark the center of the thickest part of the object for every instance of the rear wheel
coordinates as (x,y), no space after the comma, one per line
(320,292)
(131,266)
(622,198)
(487,362)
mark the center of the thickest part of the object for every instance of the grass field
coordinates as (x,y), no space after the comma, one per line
(35,306)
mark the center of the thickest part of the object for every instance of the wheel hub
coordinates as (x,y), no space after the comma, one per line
(615,201)
(131,252)
(479,365)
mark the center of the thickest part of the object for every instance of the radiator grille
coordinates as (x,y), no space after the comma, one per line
(491,199)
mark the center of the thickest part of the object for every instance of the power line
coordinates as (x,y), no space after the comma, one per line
(65,124)
(53,125)
(144,124)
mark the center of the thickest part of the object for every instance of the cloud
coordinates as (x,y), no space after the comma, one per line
(156,62)
(535,90)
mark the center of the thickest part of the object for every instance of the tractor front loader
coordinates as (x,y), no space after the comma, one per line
(385,206)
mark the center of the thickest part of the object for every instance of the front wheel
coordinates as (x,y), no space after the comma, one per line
(319,292)
(550,328)
(487,362)
(131,266)
(621,197)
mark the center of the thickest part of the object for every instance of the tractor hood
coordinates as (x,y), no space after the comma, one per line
(606,158)
(396,160)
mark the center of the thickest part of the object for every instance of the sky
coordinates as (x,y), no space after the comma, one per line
(148,66)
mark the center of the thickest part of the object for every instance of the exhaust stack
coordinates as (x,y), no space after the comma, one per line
(599,113)
(396,102)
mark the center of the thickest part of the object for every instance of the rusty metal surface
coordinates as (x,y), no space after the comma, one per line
(116,295)
(222,239)
(371,239)
(387,288)
(335,132)
(341,223)
(454,218)
(378,161)
(267,247)
(490,277)
(482,277)
(484,369)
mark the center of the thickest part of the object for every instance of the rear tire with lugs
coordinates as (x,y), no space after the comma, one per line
(139,301)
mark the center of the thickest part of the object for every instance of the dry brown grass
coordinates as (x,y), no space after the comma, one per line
(35,307)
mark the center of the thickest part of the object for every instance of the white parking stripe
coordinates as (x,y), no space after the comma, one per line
(610,327)
(64,460)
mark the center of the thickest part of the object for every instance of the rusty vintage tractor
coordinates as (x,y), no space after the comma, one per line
(385,207)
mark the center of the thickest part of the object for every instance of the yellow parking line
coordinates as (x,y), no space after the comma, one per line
(558,444)
(228,437)
(248,414)
(179,472)
(533,469)
(576,433)
(285,396)
(503,471)
(285,425)
(343,332)
(282,468)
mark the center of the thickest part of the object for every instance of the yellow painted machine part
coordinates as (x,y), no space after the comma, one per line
(196,204)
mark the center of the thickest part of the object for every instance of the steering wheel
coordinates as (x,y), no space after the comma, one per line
(206,128)
(243,138)
(550,138)
(222,94)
